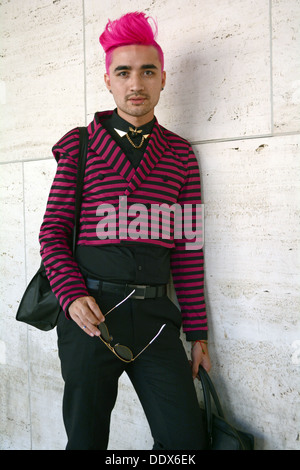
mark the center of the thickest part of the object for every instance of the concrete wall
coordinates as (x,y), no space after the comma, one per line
(233,91)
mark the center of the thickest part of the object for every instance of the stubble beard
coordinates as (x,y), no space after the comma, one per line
(136,110)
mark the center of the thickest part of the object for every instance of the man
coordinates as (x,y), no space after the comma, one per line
(132,163)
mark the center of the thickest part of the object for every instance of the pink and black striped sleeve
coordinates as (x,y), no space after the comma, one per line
(56,230)
(187,260)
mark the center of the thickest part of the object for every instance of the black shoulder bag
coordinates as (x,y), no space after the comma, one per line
(221,434)
(39,307)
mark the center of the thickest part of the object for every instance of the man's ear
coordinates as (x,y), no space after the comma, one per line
(163,79)
(107,81)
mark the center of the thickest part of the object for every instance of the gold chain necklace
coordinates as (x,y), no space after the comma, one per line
(132,143)
(135,132)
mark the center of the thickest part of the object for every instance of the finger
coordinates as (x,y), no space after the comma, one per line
(84,324)
(207,365)
(87,322)
(94,307)
(195,372)
(88,327)
(92,317)
(87,314)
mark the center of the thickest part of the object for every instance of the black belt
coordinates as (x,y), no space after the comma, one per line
(141,292)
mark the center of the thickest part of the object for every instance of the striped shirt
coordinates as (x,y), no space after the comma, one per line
(156,203)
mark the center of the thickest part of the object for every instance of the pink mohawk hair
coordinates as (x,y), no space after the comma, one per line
(132,28)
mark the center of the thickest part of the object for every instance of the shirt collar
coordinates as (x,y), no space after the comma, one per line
(118,123)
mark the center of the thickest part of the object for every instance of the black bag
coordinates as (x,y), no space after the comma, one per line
(221,434)
(39,307)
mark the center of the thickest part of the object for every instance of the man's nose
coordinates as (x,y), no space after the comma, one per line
(136,83)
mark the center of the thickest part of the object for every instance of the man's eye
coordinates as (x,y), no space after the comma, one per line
(149,73)
(123,74)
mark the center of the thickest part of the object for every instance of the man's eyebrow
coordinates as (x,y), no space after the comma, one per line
(122,67)
(148,66)
(127,67)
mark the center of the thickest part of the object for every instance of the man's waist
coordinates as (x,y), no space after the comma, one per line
(140,291)
(133,264)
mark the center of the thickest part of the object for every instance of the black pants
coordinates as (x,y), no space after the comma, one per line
(161,376)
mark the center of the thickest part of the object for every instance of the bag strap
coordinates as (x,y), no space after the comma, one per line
(208,392)
(211,389)
(83,148)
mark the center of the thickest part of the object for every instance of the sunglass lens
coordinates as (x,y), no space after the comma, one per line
(104,332)
(123,352)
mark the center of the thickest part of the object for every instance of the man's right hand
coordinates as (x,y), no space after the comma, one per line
(87,314)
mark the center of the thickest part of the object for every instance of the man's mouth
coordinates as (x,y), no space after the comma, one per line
(137,99)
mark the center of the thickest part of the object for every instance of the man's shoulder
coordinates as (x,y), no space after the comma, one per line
(68,143)
(175,139)
(68,137)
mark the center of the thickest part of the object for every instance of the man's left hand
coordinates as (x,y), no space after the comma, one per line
(200,356)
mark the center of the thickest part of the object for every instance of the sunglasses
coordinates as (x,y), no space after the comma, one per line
(122,352)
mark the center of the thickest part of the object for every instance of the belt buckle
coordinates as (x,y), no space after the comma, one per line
(137,296)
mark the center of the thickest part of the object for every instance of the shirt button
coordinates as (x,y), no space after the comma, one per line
(140,268)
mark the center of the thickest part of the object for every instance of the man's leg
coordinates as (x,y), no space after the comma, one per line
(163,380)
(91,373)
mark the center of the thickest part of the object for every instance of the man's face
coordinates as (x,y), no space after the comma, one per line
(136,80)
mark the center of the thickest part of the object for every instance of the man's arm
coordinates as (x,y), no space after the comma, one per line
(55,235)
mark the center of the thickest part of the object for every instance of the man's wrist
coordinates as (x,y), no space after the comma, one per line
(200,341)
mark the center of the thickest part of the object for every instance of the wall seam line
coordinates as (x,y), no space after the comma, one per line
(195,142)
(84,63)
(27,328)
(246,137)
(271,66)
